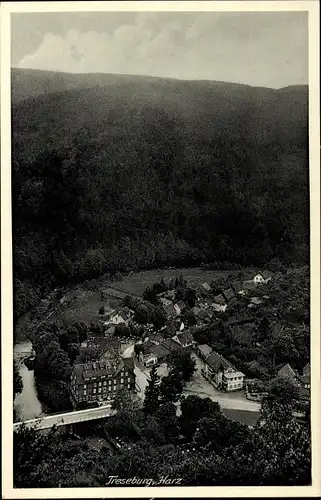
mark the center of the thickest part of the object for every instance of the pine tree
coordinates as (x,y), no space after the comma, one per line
(151,401)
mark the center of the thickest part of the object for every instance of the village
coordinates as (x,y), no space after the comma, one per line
(190,319)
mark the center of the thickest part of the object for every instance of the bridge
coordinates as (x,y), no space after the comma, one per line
(69,418)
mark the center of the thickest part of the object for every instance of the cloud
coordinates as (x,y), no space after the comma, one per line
(252,48)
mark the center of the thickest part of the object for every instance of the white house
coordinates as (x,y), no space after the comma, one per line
(263,278)
(221,373)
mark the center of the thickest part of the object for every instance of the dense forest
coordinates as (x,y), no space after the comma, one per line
(122,173)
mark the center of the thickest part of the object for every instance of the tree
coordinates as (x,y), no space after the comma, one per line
(166,415)
(152,393)
(193,408)
(171,387)
(158,318)
(122,330)
(138,348)
(142,314)
(101,310)
(125,400)
(17,380)
(191,318)
(182,364)
(283,390)
(151,296)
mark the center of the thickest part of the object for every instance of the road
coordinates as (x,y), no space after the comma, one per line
(68,418)
(198,386)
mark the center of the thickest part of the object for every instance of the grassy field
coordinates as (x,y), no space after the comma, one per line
(136,283)
(84,302)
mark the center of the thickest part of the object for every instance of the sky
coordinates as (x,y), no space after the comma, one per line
(267,49)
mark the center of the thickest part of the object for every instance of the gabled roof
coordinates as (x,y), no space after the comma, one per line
(202,314)
(170,310)
(171,345)
(170,329)
(206,287)
(160,351)
(185,338)
(205,349)
(181,305)
(307,369)
(256,301)
(305,379)
(219,299)
(215,361)
(228,294)
(287,372)
(276,330)
(238,286)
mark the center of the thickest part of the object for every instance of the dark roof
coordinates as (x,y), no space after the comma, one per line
(169,309)
(170,329)
(185,337)
(97,369)
(160,351)
(202,314)
(304,393)
(129,364)
(215,360)
(171,345)
(219,299)
(266,274)
(181,305)
(305,379)
(237,285)
(228,294)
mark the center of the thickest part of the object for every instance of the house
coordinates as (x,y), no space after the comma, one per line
(216,308)
(221,373)
(306,377)
(256,301)
(155,337)
(170,311)
(287,372)
(180,307)
(122,316)
(173,346)
(205,287)
(184,339)
(219,299)
(169,330)
(100,380)
(203,351)
(262,278)
(164,301)
(238,287)
(228,294)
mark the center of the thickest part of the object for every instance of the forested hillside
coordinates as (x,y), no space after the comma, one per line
(116,172)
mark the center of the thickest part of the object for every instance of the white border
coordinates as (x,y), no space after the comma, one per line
(312,6)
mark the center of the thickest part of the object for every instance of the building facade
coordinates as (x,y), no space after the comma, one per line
(99,381)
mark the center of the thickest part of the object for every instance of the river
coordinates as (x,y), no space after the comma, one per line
(27,404)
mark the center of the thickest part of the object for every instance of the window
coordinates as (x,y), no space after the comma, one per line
(126,373)
(99,383)
(94,391)
(128,380)
(85,392)
(115,382)
(109,382)
(105,382)
(104,389)
(99,390)
(85,386)
(128,386)
(121,380)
